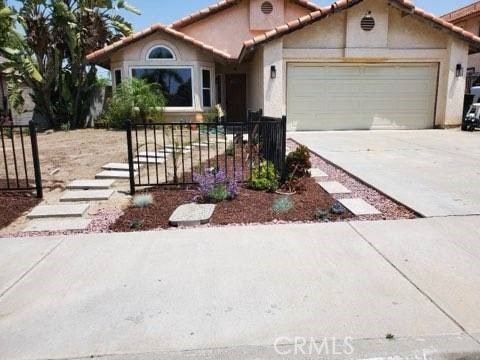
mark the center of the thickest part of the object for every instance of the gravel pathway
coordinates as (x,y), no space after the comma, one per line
(390,209)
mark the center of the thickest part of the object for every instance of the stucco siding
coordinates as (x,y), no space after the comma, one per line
(409,33)
(326,34)
(255,82)
(229,29)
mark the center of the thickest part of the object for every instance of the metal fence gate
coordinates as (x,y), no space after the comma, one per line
(171,153)
(20,170)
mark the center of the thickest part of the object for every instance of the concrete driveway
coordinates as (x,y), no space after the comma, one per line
(434,172)
(235,293)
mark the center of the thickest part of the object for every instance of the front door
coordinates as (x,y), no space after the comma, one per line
(235,86)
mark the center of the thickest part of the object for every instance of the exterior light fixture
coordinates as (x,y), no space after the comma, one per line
(459,70)
(273,72)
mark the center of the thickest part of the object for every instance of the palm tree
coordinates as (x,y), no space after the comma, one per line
(51,58)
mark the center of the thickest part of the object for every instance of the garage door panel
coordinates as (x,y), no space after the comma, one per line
(361,97)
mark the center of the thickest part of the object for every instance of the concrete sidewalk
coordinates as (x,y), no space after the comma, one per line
(233,293)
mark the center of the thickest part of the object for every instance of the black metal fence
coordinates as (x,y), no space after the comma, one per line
(172,153)
(20,170)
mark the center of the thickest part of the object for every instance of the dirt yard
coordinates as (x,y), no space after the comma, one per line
(78,154)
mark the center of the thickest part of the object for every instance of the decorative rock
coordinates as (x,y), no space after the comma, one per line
(87,195)
(52,225)
(317,173)
(359,207)
(90,184)
(116,166)
(334,187)
(58,211)
(192,214)
(113,174)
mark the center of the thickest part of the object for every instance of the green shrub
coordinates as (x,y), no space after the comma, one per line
(142,201)
(264,177)
(218,193)
(136,224)
(65,126)
(298,163)
(321,214)
(135,100)
(230,150)
(282,204)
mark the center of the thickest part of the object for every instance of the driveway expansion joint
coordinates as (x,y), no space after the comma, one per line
(30,269)
(404,275)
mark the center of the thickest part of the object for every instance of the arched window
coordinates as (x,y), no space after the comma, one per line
(160,52)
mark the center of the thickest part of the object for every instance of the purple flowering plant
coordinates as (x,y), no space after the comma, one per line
(215,186)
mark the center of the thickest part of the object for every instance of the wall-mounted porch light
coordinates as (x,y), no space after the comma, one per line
(459,70)
(273,72)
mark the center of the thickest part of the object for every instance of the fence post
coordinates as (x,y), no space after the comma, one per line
(284,148)
(131,168)
(36,159)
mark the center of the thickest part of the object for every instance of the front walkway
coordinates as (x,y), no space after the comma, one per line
(234,292)
(434,172)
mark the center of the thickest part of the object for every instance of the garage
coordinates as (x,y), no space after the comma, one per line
(361,96)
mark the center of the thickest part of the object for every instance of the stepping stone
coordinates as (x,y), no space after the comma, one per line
(149,160)
(113,174)
(90,184)
(153,154)
(117,166)
(359,207)
(87,195)
(334,187)
(57,225)
(58,211)
(192,214)
(317,173)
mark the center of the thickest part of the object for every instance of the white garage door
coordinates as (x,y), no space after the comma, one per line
(334,97)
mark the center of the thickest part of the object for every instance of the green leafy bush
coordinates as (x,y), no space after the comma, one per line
(218,193)
(282,204)
(136,100)
(298,163)
(264,177)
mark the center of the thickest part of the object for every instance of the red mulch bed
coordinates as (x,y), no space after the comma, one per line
(13,205)
(248,207)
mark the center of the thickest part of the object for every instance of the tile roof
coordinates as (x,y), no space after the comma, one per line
(222,5)
(318,14)
(321,13)
(99,54)
(463,13)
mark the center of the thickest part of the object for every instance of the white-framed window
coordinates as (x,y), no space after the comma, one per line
(176,83)
(117,77)
(206,88)
(161,52)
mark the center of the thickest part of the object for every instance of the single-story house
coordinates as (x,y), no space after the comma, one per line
(468,18)
(356,64)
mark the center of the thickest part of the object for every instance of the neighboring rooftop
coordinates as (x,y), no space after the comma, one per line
(463,13)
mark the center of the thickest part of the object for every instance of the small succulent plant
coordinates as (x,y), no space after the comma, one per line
(338,209)
(321,214)
(142,201)
(136,224)
(282,204)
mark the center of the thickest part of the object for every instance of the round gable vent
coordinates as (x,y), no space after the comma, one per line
(267,7)
(368,22)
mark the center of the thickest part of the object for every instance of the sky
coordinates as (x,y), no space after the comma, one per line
(166,11)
